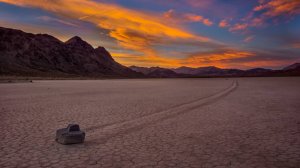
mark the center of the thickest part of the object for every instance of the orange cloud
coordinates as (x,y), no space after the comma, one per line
(226,55)
(234,58)
(222,59)
(275,8)
(224,23)
(207,22)
(296,45)
(193,17)
(132,29)
(186,17)
(259,8)
(238,27)
(267,10)
(272,9)
(129,59)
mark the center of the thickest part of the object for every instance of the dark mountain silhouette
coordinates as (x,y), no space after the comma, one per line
(43,55)
(257,72)
(197,71)
(292,67)
(156,72)
(291,70)
(143,70)
(206,71)
(211,71)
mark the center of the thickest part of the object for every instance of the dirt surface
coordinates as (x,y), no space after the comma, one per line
(242,122)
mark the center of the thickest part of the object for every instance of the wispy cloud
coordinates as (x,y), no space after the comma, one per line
(224,23)
(52,19)
(265,13)
(248,39)
(186,17)
(238,27)
(274,11)
(275,8)
(268,11)
(132,29)
(218,58)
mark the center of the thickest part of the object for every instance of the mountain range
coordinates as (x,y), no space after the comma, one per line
(26,54)
(211,71)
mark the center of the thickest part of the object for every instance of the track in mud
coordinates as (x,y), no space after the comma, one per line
(111,130)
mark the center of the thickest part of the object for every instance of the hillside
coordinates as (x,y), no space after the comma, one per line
(43,55)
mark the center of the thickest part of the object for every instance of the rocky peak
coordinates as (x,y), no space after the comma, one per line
(78,42)
(103,52)
(74,39)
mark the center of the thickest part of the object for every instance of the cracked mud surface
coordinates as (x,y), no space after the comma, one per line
(242,122)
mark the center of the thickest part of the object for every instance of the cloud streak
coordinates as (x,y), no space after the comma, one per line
(248,39)
(132,29)
(224,23)
(216,58)
(275,8)
(269,10)
(186,17)
(51,19)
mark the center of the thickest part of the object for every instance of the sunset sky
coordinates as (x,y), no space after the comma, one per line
(170,33)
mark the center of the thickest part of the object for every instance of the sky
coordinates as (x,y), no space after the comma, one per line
(170,33)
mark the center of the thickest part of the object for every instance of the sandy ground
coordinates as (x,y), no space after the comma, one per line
(242,122)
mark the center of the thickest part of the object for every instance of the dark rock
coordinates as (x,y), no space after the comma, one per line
(70,135)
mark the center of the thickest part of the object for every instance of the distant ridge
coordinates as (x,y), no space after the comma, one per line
(292,67)
(155,72)
(211,71)
(27,54)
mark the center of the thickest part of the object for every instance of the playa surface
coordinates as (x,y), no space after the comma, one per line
(235,122)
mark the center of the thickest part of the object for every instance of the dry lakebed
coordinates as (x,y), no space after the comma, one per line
(209,122)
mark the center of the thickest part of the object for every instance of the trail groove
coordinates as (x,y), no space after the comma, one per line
(124,127)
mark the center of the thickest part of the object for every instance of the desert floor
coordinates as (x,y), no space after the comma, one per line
(235,122)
